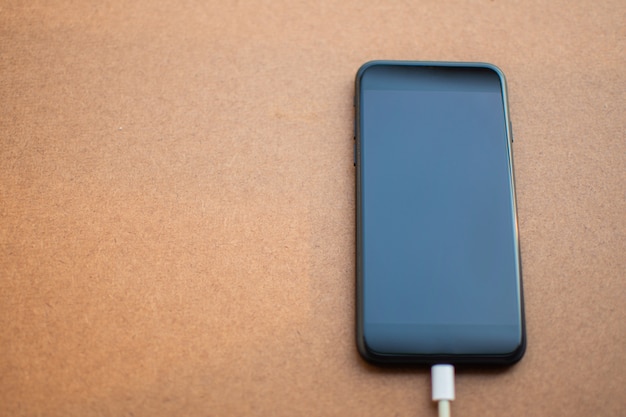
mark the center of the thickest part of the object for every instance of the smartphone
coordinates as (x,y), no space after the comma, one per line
(438,267)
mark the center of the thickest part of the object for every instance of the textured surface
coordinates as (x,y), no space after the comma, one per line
(176,205)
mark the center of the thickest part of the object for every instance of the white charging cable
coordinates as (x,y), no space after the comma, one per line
(442,377)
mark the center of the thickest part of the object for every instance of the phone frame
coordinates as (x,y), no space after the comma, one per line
(429,359)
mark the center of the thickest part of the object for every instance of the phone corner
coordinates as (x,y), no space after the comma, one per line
(519,353)
(515,355)
(492,67)
(364,352)
(364,67)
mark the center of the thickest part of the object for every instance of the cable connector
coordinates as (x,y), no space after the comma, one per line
(442,377)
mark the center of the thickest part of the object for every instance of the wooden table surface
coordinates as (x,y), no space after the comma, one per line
(177,205)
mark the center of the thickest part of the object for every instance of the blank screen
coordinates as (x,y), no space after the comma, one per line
(439,247)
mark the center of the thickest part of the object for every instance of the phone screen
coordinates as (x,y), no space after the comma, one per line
(438,260)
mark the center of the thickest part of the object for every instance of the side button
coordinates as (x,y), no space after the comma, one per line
(355,153)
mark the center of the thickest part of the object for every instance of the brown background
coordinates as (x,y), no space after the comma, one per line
(177,199)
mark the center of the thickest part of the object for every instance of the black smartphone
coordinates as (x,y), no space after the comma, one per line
(438,264)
